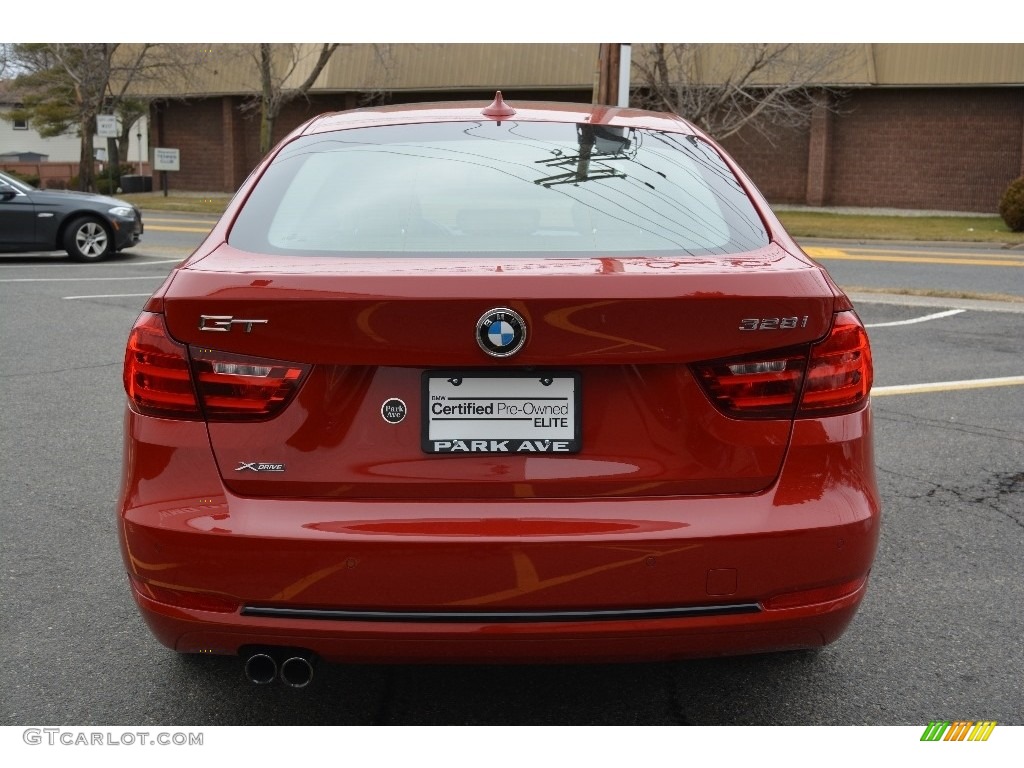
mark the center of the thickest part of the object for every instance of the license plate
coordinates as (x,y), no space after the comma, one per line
(518,412)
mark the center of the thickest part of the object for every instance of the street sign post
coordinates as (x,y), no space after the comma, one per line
(106,128)
(166,159)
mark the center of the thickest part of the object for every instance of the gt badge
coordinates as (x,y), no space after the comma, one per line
(224,323)
(501,332)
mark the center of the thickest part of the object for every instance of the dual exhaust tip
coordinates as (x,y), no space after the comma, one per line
(295,671)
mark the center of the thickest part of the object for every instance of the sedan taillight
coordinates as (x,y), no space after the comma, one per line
(840,372)
(165,378)
(241,387)
(835,378)
(759,387)
(156,371)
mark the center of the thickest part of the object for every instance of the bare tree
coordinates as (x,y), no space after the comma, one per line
(278,66)
(376,89)
(64,86)
(724,88)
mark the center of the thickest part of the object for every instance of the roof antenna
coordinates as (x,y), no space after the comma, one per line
(498,108)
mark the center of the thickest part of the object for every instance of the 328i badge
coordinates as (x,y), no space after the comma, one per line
(573,394)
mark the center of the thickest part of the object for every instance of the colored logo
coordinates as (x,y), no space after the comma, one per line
(501,332)
(960,730)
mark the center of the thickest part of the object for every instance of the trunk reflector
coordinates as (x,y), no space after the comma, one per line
(755,387)
(240,387)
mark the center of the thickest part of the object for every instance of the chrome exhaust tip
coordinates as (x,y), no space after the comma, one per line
(297,672)
(261,668)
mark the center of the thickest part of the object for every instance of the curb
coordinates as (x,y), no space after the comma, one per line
(898,299)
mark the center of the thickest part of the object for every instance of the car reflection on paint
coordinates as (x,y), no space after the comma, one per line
(473,383)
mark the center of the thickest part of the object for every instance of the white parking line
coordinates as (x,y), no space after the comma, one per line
(144,262)
(925,319)
(946,386)
(106,296)
(76,279)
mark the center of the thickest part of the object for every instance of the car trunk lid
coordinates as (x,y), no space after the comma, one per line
(623,332)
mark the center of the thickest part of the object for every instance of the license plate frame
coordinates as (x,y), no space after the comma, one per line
(501,412)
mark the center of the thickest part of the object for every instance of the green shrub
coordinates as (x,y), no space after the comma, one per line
(1011,207)
(109,181)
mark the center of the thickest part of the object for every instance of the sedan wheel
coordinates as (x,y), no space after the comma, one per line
(86,239)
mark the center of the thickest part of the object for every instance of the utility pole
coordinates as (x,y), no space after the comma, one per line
(611,84)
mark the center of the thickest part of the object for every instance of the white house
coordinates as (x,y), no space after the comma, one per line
(18,137)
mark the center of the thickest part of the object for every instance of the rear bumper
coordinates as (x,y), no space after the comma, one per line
(475,642)
(529,579)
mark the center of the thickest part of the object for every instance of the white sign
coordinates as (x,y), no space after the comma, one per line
(166,159)
(106,126)
(501,413)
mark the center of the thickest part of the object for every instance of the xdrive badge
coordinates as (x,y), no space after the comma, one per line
(501,332)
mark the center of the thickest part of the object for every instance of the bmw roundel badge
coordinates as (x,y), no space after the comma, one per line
(501,332)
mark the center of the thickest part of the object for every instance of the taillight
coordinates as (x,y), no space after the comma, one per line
(835,378)
(839,374)
(760,386)
(156,371)
(164,378)
(239,387)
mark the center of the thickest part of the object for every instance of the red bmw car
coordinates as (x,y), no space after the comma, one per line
(496,383)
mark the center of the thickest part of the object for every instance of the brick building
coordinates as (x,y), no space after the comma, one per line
(927,126)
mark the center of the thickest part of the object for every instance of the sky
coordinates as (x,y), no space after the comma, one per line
(397,21)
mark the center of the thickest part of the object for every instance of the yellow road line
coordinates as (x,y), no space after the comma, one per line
(835,253)
(151,228)
(179,220)
(947,386)
(945,253)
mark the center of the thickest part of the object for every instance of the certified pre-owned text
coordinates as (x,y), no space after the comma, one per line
(525,410)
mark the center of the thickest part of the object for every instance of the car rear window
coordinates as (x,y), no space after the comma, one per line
(498,188)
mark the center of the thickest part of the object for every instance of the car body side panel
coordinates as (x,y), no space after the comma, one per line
(17,223)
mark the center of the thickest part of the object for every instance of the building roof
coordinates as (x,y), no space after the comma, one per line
(947,64)
(231,69)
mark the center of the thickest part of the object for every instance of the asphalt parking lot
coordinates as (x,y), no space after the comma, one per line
(937,638)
